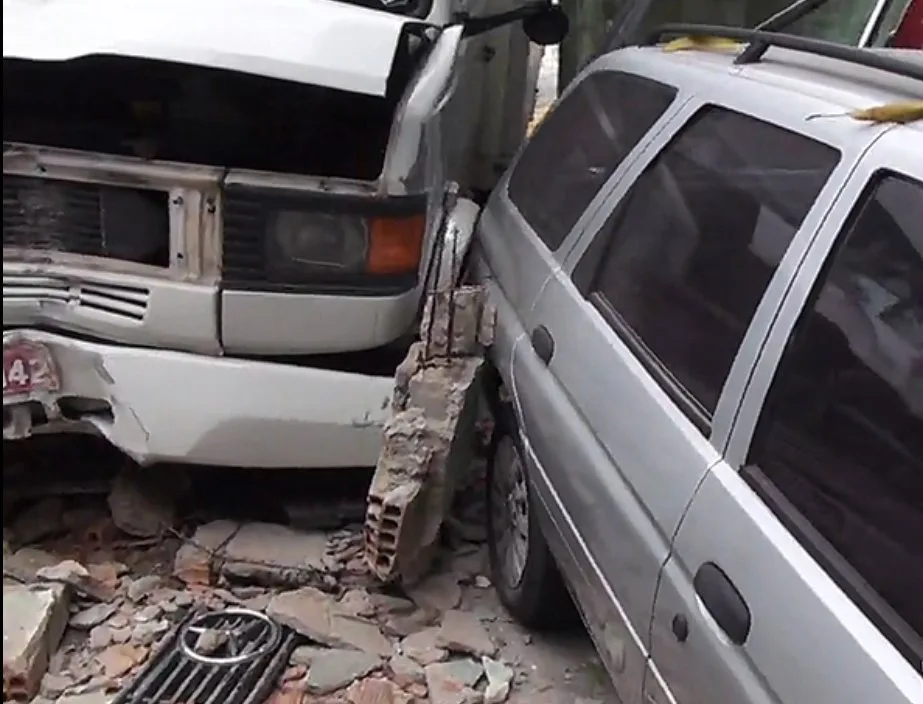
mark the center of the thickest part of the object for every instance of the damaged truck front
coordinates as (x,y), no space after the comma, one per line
(218,219)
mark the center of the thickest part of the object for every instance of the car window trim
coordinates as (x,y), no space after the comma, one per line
(898,632)
(587,265)
(613,192)
(668,383)
(586,277)
(678,99)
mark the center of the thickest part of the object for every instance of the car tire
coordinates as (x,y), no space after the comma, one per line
(526,577)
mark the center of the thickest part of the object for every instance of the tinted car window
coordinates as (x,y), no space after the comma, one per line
(682,264)
(579,146)
(841,435)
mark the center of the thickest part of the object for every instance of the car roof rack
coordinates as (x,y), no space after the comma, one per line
(760,40)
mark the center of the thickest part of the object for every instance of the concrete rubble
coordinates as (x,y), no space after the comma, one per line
(34,619)
(429,440)
(85,611)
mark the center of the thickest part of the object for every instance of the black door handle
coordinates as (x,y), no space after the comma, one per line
(723,601)
(542,343)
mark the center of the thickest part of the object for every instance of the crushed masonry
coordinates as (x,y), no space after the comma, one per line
(429,439)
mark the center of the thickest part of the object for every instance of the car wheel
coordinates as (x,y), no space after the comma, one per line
(523,571)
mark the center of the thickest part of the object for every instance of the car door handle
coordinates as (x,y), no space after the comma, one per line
(542,343)
(723,601)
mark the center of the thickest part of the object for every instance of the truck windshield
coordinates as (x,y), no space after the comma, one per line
(410,8)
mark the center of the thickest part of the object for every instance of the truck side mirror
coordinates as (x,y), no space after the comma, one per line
(548,27)
(543,21)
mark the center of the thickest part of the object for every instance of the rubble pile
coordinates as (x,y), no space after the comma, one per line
(363,646)
(87,604)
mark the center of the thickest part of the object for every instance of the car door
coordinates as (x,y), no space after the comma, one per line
(643,336)
(798,577)
(645,112)
(550,192)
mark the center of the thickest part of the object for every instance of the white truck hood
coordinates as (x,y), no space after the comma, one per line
(321,42)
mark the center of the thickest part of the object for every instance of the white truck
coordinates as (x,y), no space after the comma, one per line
(219,218)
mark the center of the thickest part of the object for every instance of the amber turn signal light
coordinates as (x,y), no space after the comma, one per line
(395,244)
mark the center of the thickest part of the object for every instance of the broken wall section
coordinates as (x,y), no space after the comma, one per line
(430,438)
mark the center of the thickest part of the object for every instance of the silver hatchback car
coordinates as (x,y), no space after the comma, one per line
(708,272)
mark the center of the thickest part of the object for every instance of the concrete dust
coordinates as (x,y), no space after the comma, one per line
(445,640)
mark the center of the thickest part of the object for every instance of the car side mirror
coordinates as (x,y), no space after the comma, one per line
(543,21)
(548,27)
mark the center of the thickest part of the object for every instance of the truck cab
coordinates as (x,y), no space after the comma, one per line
(219,220)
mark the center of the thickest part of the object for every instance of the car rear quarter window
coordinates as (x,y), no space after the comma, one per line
(683,261)
(579,146)
(841,433)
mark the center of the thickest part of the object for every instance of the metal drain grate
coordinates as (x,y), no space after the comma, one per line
(233,656)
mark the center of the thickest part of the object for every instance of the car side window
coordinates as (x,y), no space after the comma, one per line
(579,146)
(841,435)
(684,260)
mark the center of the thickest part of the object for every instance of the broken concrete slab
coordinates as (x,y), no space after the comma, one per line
(463,632)
(377,691)
(439,592)
(25,563)
(403,625)
(499,681)
(93,616)
(121,658)
(99,697)
(78,577)
(405,671)
(274,555)
(423,648)
(193,561)
(358,602)
(143,587)
(457,322)
(453,682)
(34,619)
(336,669)
(304,655)
(317,615)
(386,604)
(428,445)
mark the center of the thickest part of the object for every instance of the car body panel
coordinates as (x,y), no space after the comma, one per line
(325,324)
(804,630)
(165,406)
(789,595)
(619,471)
(131,309)
(898,148)
(308,41)
(290,410)
(613,505)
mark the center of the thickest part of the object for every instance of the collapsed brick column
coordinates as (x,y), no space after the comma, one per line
(430,438)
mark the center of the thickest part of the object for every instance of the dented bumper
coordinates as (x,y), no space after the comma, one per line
(165,406)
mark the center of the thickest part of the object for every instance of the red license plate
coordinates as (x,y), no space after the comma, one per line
(28,367)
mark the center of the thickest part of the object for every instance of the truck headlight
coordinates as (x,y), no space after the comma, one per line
(325,240)
(300,242)
(338,242)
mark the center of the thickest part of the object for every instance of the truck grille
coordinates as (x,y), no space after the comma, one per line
(243,671)
(120,300)
(55,215)
(244,239)
(84,218)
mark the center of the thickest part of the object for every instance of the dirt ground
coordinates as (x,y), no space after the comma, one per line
(139,549)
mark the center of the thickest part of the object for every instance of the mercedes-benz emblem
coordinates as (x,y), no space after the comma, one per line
(229,637)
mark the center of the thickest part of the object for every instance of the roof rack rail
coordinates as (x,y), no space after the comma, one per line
(779,22)
(761,40)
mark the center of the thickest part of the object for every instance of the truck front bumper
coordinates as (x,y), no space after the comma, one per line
(165,406)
